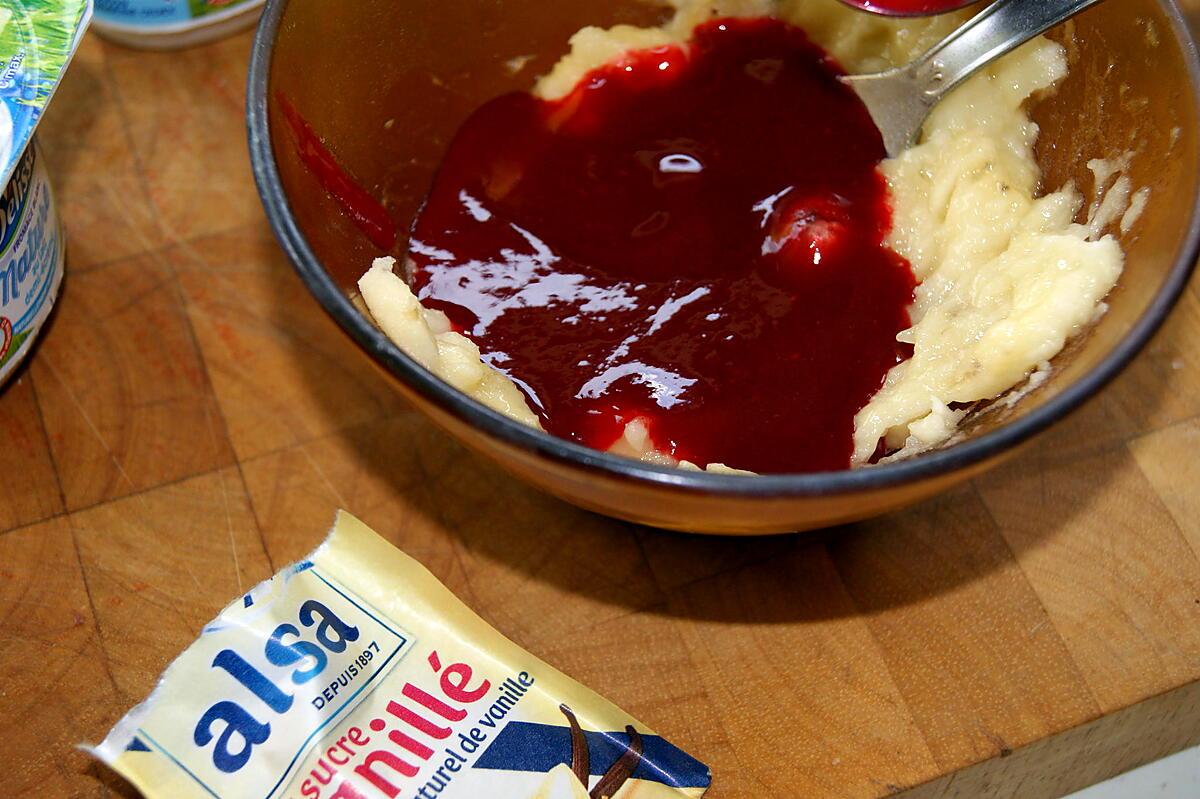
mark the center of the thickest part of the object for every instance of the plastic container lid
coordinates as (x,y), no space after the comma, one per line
(38,38)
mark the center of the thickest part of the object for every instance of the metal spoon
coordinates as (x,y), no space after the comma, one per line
(900,99)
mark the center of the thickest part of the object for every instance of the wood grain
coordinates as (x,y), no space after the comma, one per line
(1109,564)
(175,555)
(122,387)
(969,697)
(29,491)
(99,187)
(281,371)
(801,685)
(192,420)
(56,677)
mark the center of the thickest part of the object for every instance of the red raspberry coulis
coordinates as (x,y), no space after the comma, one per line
(692,237)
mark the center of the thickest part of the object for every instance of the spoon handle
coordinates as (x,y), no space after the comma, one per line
(900,99)
(1001,27)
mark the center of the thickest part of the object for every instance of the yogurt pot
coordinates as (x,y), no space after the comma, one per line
(170,24)
(37,40)
(31,258)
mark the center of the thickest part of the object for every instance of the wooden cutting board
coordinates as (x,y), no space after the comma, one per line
(192,420)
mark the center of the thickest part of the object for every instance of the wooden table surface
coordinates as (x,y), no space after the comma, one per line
(192,420)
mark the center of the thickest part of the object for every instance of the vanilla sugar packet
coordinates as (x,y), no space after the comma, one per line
(355,674)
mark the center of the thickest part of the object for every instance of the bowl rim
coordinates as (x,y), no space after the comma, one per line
(943,462)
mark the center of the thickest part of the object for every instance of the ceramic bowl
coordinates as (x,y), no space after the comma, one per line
(385,85)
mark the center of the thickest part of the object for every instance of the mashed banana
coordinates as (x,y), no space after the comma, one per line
(426,336)
(1006,277)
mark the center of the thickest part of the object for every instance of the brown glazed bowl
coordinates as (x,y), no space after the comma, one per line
(385,84)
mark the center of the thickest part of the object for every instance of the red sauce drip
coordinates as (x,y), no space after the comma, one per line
(910,8)
(356,202)
(692,237)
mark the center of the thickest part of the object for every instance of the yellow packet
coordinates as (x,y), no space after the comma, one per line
(355,674)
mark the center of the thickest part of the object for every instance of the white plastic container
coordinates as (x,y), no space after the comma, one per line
(31,258)
(37,40)
(172,24)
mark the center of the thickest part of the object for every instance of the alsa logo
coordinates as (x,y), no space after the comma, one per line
(236,729)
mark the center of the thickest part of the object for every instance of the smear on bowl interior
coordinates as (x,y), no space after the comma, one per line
(687,246)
